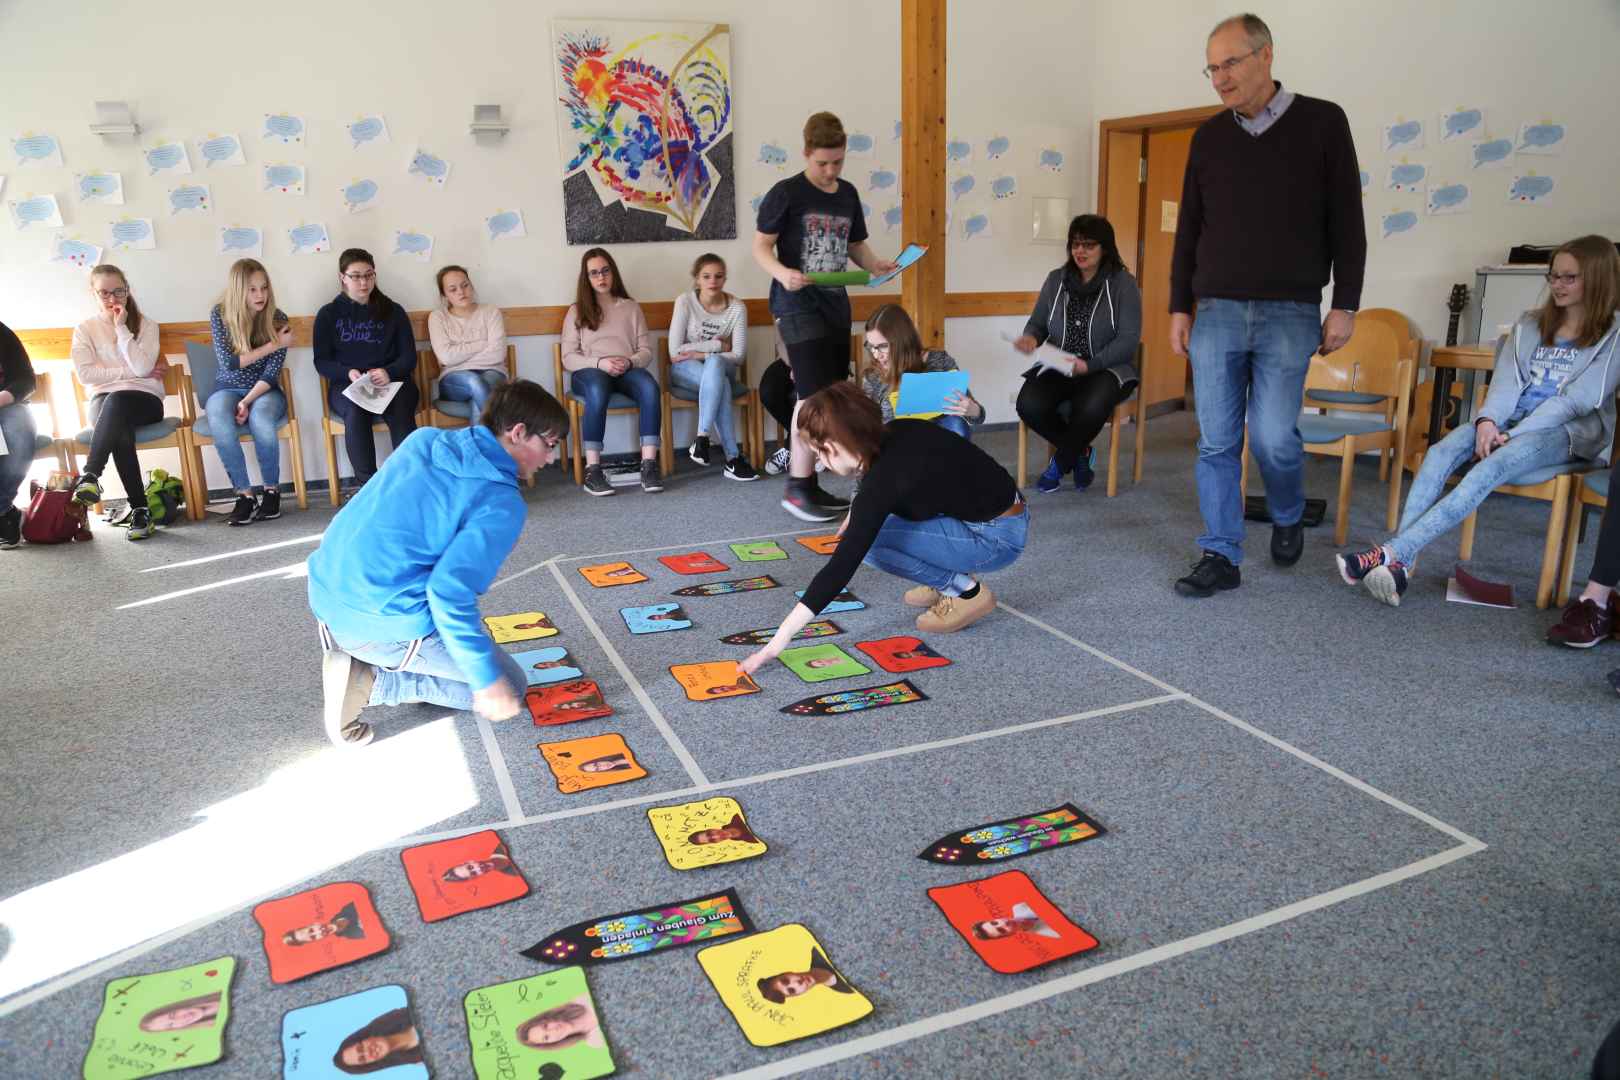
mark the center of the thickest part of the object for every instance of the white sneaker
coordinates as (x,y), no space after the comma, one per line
(777,463)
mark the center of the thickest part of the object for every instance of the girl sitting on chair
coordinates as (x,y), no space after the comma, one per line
(251,337)
(895,349)
(708,341)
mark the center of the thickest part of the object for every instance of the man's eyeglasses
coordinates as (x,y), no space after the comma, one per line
(1562,279)
(357,278)
(112,294)
(1210,71)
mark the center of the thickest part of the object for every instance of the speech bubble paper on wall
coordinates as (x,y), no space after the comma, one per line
(132,234)
(413,244)
(33,211)
(169,157)
(505,224)
(283,128)
(241,241)
(36,148)
(71,249)
(367,129)
(99,187)
(284,178)
(220,150)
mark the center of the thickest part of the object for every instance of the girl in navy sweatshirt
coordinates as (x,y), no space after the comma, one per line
(362,334)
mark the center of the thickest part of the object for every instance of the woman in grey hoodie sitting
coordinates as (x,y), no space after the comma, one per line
(1550,409)
(1091,310)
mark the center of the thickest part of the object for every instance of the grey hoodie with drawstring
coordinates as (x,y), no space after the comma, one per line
(1583,406)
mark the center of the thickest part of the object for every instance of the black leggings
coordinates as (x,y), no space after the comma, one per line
(400,416)
(1606,563)
(777,394)
(1090,400)
(115,417)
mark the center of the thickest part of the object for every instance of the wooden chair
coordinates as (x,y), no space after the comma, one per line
(1591,492)
(199,382)
(170,433)
(1350,395)
(441,412)
(676,398)
(332,430)
(618,405)
(1133,407)
(51,446)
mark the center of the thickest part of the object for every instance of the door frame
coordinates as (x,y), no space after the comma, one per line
(1146,123)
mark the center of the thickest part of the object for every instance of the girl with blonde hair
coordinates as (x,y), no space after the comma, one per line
(251,337)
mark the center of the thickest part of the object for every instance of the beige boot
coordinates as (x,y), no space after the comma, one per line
(345,690)
(952,613)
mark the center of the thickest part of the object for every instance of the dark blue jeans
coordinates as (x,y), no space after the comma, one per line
(596,387)
(1249,359)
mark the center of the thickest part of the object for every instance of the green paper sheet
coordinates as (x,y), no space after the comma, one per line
(160,1021)
(840,277)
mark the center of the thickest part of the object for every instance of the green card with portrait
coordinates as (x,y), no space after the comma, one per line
(542,1026)
(162,1021)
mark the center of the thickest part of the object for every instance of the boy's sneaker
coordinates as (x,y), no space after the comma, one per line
(651,482)
(11,528)
(1387,582)
(952,613)
(345,690)
(1084,474)
(1355,566)
(1583,625)
(739,469)
(827,500)
(1210,574)
(269,505)
(87,490)
(1051,477)
(596,481)
(242,512)
(797,500)
(700,450)
(140,524)
(921,596)
(777,463)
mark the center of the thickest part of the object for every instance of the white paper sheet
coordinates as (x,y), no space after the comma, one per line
(364,393)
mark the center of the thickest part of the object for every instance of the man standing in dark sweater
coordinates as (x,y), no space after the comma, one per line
(1270,209)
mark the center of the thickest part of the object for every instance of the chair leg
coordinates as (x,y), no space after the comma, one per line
(1023,452)
(1141,436)
(1550,550)
(1572,536)
(1383,463)
(579,444)
(1113,450)
(295,447)
(333,485)
(197,481)
(1393,509)
(1465,540)
(1347,465)
(666,453)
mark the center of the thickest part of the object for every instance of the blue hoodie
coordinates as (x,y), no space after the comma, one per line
(412,552)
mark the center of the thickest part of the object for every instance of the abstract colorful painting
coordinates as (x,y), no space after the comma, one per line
(644,130)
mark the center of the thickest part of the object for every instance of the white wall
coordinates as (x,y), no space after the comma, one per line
(1383,61)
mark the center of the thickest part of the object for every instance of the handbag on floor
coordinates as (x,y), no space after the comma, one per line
(54,517)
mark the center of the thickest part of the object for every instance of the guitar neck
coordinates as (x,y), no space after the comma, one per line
(1451,328)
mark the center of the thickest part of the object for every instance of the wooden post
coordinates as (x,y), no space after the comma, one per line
(922,169)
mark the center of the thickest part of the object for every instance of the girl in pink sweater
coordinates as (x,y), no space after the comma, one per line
(469,339)
(116,357)
(606,347)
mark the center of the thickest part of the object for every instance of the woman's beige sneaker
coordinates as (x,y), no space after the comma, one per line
(922,596)
(952,613)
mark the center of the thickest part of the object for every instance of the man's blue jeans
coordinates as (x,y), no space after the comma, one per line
(267,413)
(473,386)
(1249,359)
(17,425)
(933,552)
(597,387)
(422,670)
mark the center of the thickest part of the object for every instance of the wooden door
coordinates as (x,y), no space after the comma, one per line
(1165,374)
(1122,195)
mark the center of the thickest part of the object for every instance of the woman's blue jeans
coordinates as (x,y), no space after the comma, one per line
(714,381)
(265,416)
(473,386)
(596,387)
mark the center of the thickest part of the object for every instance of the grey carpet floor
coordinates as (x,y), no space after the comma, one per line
(1288,892)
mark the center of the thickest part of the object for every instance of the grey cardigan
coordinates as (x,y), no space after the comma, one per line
(1114,330)
(877,388)
(1583,406)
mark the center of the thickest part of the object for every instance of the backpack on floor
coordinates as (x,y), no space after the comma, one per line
(164,497)
(54,517)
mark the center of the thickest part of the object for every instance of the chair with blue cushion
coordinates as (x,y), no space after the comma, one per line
(441,412)
(1553,485)
(618,405)
(675,397)
(201,372)
(170,433)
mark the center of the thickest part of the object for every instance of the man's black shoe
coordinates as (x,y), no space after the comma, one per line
(1212,572)
(1287,543)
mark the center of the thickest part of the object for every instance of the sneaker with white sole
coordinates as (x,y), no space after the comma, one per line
(596,481)
(952,613)
(242,512)
(777,463)
(652,481)
(269,505)
(87,489)
(739,469)
(140,524)
(797,501)
(700,450)
(1387,583)
(345,690)
(921,596)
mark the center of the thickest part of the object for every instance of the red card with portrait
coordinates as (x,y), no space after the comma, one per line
(319,929)
(462,874)
(1006,920)
(694,562)
(902,654)
(563,703)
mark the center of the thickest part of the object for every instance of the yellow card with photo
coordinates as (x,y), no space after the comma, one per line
(708,833)
(524,626)
(780,986)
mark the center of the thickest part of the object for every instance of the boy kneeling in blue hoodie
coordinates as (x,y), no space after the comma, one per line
(396,581)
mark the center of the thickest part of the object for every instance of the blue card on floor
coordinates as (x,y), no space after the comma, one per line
(844,601)
(924,393)
(542,667)
(372,1031)
(655,619)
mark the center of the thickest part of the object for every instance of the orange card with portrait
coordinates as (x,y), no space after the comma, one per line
(464,873)
(606,575)
(1008,923)
(320,929)
(592,762)
(714,679)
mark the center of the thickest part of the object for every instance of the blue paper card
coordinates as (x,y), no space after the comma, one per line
(655,619)
(912,253)
(369,1032)
(924,393)
(844,601)
(543,667)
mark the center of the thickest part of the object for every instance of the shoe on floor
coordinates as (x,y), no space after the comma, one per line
(921,596)
(1287,543)
(1084,474)
(1051,477)
(1355,565)
(952,613)
(1387,583)
(87,490)
(269,505)
(345,690)
(777,463)
(1210,574)
(651,481)
(798,502)
(827,500)
(140,524)
(596,481)
(119,517)
(242,512)
(1583,625)
(11,528)
(700,450)
(739,469)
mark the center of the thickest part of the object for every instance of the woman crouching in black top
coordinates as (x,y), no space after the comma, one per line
(933,508)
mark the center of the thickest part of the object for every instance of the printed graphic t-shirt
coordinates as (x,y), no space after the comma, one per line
(814,230)
(1550,366)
